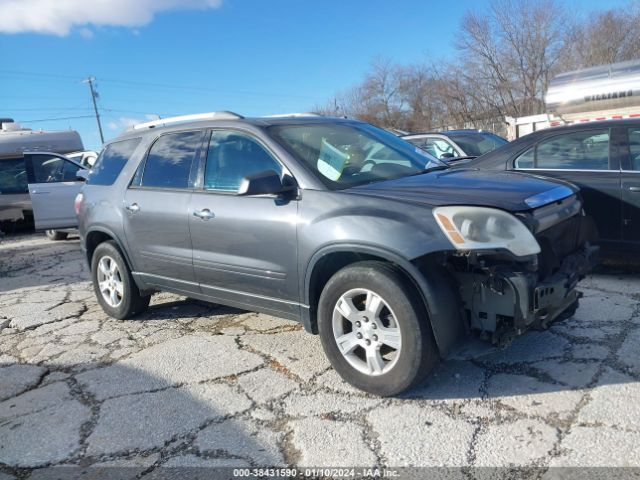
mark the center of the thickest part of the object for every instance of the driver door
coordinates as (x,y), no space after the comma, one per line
(53,183)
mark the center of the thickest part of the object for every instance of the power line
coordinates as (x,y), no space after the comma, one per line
(204,89)
(54,119)
(39,74)
(41,109)
(37,97)
(139,112)
(166,86)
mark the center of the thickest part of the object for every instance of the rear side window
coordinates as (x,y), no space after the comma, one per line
(111,162)
(587,150)
(169,161)
(13,176)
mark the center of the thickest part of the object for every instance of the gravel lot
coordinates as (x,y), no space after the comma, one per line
(192,384)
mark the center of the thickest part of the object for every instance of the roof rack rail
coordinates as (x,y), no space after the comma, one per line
(223,115)
(300,114)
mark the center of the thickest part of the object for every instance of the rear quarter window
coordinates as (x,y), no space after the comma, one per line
(111,161)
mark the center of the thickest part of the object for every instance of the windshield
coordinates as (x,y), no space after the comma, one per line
(476,144)
(344,155)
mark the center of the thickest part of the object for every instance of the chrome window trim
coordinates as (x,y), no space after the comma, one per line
(564,170)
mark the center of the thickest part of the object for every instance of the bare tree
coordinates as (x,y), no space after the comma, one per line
(424,105)
(382,92)
(511,53)
(378,99)
(608,37)
(508,53)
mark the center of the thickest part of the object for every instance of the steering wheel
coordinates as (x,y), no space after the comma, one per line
(366,163)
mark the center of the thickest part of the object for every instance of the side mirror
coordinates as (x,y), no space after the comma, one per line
(267,182)
(82,175)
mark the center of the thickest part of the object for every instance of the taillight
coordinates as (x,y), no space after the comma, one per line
(78,202)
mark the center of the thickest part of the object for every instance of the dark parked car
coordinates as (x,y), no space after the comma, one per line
(450,144)
(387,253)
(602,158)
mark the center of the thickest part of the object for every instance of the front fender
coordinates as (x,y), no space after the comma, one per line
(395,231)
(432,281)
(327,218)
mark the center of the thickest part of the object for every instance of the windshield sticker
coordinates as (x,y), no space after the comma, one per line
(331,161)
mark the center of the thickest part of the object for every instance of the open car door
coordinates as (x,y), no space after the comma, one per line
(54,181)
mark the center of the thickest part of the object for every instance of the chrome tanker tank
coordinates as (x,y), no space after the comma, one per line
(605,87)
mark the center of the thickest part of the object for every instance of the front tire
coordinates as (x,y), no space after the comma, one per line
(113,284)
(56,235)
(374,329)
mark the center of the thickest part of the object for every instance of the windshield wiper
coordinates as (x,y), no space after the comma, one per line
(430,169)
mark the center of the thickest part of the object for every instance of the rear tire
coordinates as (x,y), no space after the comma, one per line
(113,284)
(56,235)
(377,317)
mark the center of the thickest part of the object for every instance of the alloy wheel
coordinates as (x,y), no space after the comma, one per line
(110,281)
(366,331)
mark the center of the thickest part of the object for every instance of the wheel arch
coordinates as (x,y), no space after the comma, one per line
(98,235)
(434,284)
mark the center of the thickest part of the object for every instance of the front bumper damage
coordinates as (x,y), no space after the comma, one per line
(502,298)
(505,301)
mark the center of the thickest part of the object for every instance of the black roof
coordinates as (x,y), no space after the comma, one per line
(498,157)
(576,127)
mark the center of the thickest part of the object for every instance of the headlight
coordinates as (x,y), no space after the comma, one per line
(480,228)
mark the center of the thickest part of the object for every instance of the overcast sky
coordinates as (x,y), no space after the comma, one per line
(167,57)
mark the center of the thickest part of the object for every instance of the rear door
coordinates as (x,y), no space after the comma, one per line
(155,211)
(53,184)
(631,187)
(590,160)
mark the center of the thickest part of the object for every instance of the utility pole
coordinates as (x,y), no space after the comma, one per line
(94,95)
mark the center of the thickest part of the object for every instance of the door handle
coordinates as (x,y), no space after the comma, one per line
(634,189)
(39,192)
(133,208)
(204,214)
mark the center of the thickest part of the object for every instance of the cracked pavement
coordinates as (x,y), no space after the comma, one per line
(195,384)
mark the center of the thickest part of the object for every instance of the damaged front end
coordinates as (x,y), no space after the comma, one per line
(504,294)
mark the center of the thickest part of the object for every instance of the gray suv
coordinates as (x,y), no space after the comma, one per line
(364,238)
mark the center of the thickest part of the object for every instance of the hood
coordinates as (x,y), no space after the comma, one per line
(509,191)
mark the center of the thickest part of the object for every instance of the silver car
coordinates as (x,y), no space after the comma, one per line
(451,144)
